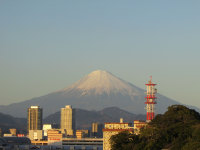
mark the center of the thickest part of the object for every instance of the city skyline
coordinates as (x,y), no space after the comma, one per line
(49,45)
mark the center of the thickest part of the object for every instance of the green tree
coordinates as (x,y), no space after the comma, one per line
(178,128)
(123,141)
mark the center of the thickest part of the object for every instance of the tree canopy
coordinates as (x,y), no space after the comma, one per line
(176,129)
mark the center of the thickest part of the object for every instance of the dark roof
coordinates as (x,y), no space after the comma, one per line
(17,140)
(2,141)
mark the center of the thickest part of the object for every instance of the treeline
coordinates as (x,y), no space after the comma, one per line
(177,129)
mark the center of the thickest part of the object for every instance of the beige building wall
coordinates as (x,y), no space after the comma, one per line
(54,136)
(113,129)
(35,135)
(81,134)
(13,131)
(138,125)
(46,127)
(94,127)
(67,120)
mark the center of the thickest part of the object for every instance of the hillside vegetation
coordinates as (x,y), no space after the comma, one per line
(7,122)
(177,129)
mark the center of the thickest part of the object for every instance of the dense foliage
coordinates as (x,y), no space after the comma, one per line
(177,129)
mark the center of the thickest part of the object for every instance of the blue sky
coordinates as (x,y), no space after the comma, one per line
(48,45)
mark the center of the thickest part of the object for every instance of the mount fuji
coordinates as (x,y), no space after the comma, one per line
(96,91)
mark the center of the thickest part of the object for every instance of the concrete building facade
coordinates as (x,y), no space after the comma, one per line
(13,131)
(54,136)
(34,118)
(138,125)
(35,135)
(46,127)
(67,121)
(82,134)
(97,130)
(113,129)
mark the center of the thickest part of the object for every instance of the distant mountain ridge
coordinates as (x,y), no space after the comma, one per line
(85,118)
(96,91)
(8,122)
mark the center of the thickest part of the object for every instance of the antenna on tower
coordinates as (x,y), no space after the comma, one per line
(150,79)
(150,100)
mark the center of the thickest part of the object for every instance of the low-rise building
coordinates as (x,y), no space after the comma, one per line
(43,142)
(54,136)
(35,135)
(83,141)
(46,127)
(20,135)
(81,134)
(7,135)
(113,129)
(138,124)
(13,131)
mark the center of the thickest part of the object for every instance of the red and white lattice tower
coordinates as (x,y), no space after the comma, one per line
(150,100)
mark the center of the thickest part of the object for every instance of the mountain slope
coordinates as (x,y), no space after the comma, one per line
(8,122)
(85,118)
(98,90)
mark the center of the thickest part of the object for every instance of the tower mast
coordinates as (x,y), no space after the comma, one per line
(150,100)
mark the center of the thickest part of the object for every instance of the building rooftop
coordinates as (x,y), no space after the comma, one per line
(68,106)
(35,106)
(16,140)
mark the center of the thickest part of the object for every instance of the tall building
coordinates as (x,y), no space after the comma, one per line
(67,121)
(97,129)
(34,118)
(94,128)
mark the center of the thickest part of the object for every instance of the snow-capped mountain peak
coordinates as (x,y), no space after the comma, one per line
(98,90)
(100,81)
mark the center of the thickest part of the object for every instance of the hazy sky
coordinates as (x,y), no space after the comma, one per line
(48,45)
